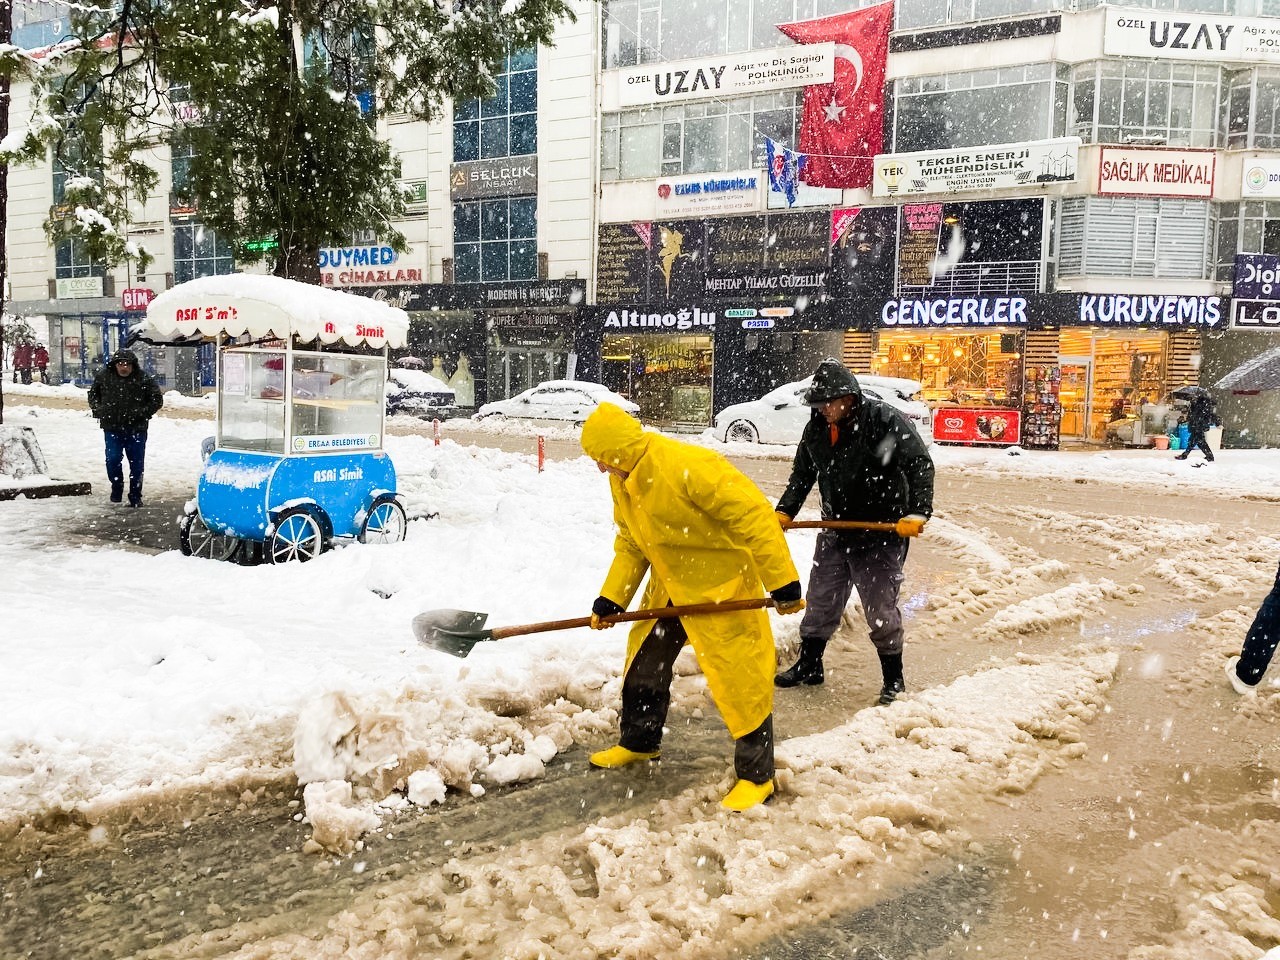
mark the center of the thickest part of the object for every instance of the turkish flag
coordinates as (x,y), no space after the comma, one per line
(842,127)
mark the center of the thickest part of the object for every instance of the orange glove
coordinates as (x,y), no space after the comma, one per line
(911,526)
(783,520)
(603,607)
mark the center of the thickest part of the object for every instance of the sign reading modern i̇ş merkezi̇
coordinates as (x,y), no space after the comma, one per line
(726,76)
(976,168)
(1189,36)
(502,177)
(1156,172)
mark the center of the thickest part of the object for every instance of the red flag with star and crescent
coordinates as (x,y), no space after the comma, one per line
(842,125)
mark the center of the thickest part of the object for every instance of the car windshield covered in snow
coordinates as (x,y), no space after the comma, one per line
(571,400)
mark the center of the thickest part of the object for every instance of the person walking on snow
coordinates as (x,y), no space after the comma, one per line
(1201,415)
(704,533)
(1245,671)
(23,353)
(40,360)
(869,464)
(123,399)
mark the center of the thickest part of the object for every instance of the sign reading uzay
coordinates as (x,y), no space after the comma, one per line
(725,76)
(1189,36)
(976,168)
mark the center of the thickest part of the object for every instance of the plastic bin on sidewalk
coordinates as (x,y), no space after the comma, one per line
(1213,437)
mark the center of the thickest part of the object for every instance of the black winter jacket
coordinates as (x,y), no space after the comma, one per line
(124,404)
(879,469)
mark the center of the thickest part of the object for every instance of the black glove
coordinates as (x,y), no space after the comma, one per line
(603,607)
(787,598)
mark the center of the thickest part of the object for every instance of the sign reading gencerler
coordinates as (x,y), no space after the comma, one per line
(503,177)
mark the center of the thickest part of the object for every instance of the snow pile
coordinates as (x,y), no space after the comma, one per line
(691,880)
(336,823)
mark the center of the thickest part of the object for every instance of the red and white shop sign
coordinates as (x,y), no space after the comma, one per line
(136,298)
(1156,172)
(973,425)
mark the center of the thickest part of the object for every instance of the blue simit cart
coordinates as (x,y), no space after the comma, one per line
(297,460)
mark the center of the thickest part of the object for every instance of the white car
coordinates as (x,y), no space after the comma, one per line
(780,415)
(571,400)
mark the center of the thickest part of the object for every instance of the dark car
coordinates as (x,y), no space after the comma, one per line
(418,394)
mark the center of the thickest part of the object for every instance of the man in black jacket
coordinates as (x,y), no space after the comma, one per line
(870,464)
(123,399)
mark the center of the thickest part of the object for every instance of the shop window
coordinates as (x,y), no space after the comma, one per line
(1003,105)
(71,259)
(495,240)
(199,252)
(1145,101)
(506,124)
(696,137)
(959,369)
(668,377)
(1134,237)
(971,249)
(1249,227)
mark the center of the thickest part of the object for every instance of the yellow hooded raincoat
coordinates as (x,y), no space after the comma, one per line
(705,534)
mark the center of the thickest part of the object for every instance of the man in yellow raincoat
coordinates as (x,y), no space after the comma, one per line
(704,534)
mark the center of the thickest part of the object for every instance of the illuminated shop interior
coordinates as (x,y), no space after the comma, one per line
(1107,375)
(668,377)
(964,369)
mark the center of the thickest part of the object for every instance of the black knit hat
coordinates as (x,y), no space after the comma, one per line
(830,381)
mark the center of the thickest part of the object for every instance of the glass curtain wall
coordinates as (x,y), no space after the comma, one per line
(1145,101)
(1249,227)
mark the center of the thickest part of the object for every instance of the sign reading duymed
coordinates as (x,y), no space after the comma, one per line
(1156,172)
(729,75)
(976,168)
(1189,36)
(504,177)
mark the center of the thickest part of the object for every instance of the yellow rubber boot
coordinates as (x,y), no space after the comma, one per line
(619,756)
(746,795)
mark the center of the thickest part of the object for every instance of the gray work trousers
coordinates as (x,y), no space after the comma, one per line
(646,697)
(875,570)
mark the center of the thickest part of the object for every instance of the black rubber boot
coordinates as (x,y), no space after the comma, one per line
(808,669)
(891,667)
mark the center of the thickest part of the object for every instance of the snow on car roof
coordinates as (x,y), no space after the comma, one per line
(267,306)
(420,381)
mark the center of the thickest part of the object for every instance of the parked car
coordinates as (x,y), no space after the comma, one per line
(419,394)
(780,415)
(570,400)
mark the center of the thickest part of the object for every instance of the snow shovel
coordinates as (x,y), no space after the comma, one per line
(850,525)
(456,631)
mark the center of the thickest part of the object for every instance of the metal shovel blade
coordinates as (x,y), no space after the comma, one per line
(453,632)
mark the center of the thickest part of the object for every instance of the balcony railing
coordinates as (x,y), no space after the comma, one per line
(976,279)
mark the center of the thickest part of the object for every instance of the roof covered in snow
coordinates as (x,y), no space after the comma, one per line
(265,306)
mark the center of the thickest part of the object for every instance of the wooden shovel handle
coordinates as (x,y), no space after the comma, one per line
(842,525)
(660,613)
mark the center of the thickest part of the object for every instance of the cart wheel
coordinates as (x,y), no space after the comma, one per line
(197,540)
(385,523)
(296,536)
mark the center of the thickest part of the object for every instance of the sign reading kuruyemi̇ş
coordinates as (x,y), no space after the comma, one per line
(1189,36)
(1018,165)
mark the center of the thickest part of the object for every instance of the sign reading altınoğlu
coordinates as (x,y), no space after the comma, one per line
(502,177)
(1189,36)
(724,76)
(1156,172)
(693,194)
(976,168)
(1260,177)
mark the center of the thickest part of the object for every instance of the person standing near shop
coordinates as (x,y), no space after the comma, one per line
(40,359)
(869,464)
(1201,415)
(703,533)
(23,353)
(123,399)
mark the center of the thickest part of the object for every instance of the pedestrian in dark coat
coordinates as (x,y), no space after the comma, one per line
(1201,415)
(124,399)
(869,464)
(22,356)
(1245,671)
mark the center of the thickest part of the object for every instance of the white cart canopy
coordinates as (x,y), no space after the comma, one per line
(266,306)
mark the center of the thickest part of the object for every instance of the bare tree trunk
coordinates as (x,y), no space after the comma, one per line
(6,37)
